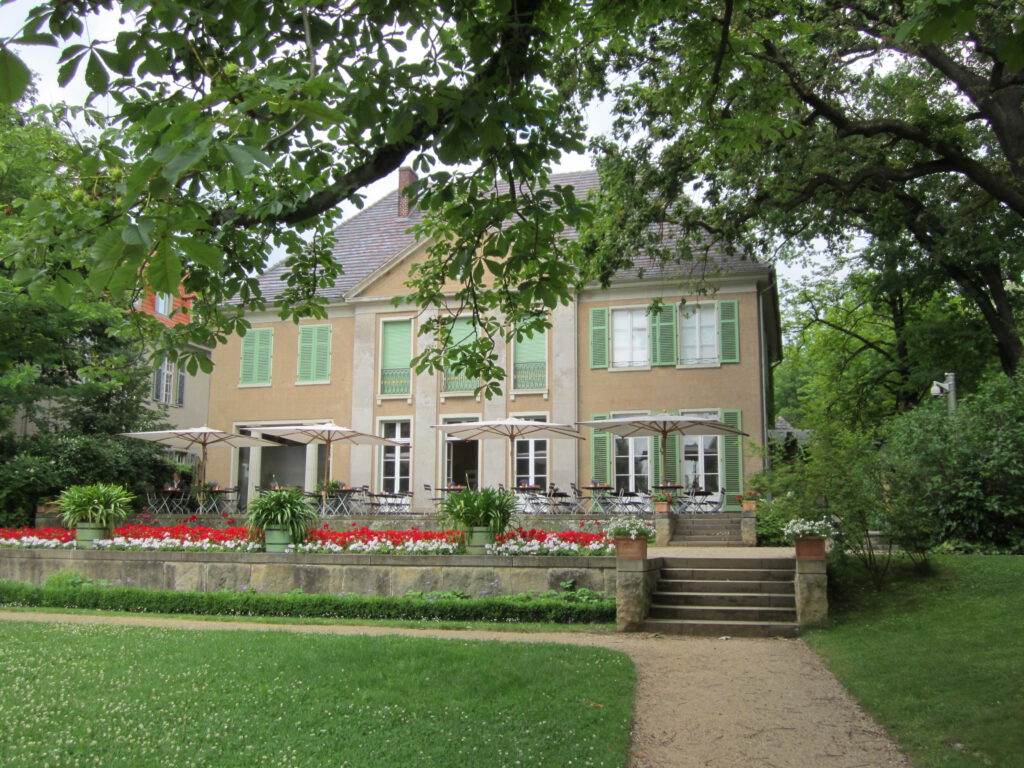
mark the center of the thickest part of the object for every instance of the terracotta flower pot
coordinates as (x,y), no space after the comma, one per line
(749,506)
(810,547)
(630,549)
(662,507)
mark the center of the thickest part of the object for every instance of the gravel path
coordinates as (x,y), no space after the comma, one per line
(701,702)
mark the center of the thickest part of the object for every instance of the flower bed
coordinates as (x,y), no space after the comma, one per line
(365,540)
(536,541)
(48,538)
(181,538)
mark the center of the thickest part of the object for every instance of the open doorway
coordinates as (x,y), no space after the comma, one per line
(462,458)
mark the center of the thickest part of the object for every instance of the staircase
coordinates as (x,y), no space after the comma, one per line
(716,529)
(738,597)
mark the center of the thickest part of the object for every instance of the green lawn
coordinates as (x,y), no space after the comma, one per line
(75,695)
(939,660)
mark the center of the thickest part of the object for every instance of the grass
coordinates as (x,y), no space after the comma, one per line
(490,626)
(76,695)
(938,660)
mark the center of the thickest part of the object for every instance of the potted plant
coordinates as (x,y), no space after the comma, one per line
(93,510)
(809,537)
(748,501)
(662,501)
(631,535)
(285,517)
(482,514)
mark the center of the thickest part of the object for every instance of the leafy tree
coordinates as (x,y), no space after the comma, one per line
(240,127)
(866,344)
(803,121)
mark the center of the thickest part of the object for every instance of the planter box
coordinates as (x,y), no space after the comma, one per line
(810,547)
(630,549)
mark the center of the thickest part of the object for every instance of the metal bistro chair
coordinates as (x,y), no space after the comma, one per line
(559,502)
(580,503)
(701,502)
(628,503)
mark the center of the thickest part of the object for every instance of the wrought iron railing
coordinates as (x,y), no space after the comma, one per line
(395,381)
(456,381)
(529,376)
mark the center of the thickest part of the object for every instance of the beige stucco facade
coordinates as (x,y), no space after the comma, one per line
(573,391)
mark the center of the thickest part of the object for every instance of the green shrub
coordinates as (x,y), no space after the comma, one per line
(556,608)
(101,504)
(489,508)
(288,507)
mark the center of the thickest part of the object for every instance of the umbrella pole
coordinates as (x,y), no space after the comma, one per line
(327,473)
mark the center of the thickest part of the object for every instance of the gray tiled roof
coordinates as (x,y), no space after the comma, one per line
(374,235)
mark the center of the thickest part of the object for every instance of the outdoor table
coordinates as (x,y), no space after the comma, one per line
(390,503)
(168,501)
(600,501)
(215,501)
(340,501)
(530,500)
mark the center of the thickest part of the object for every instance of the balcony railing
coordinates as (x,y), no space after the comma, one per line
(529,376)
(395,381)
(456,381)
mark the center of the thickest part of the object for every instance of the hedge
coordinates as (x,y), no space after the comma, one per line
(554,608)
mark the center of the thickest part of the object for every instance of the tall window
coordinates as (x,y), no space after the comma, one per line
(455,380)
(701,458)
(395,354)
(314,354)
(698,334)
(629,338)
(461,458)
(632,462)
(257,355)
(163,304)
(395,460)
(532,460)
(530,359)
(169,383)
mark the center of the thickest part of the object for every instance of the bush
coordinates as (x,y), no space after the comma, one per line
(555,608)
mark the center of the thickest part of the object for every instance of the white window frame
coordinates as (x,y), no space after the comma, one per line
(168,384)
(163,304)
(636,448)
(446,446)
(629,365)
(684,314)
(391,455)
(701,453)
(534,453)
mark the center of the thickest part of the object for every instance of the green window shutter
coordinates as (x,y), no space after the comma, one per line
(397,343)
(728,331)
(314,354)
(672,459)
(599,337)
(732,460)
(463,331)
(395,357)
(257,353)
(654,460)
(600,453)
(530,359)
(663,336)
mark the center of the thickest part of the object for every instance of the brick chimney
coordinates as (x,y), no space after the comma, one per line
(406,176)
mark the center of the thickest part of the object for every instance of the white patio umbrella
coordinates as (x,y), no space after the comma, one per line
(662,425)
(511,429)
(189,438)
(328,434)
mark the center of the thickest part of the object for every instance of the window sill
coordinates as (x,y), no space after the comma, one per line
(528,393)
(688,366)
(311,383)
(254,386)
(622,368)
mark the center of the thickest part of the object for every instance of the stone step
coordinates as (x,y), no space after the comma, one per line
(726,574)
(721,628)
(729,563)
(732,613)
(710,540)
(707,543)
(737,599)
(686,534)
(716,587)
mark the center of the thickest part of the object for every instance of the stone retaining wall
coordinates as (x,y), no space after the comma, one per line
(328,574)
